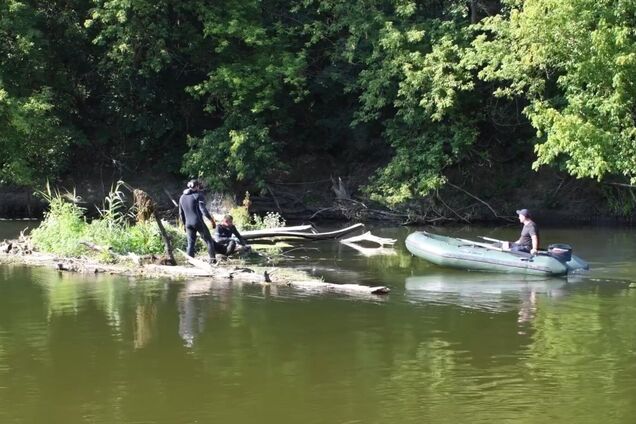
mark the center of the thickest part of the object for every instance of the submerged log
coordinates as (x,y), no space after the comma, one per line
(371,251)
(309,236)
(340,288)
(368,237)
(270,277)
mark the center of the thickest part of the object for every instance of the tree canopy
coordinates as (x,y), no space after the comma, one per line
(237,91)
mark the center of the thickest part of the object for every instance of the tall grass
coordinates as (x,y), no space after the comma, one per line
(65,227)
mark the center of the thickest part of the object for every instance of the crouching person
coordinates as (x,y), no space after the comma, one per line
(227,239)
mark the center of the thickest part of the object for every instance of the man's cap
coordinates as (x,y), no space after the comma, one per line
(524,212)
(194,183)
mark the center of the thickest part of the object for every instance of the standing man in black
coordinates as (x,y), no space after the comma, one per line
(192,210)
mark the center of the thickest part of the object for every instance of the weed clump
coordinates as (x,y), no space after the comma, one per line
(65,228)
(246,221)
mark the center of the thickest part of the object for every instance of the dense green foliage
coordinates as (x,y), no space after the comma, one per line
(239,91)
(575,62)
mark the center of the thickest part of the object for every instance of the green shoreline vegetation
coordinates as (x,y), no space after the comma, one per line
(114,243)
(65,228)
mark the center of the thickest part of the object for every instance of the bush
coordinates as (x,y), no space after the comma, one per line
(270,220)
(246,222)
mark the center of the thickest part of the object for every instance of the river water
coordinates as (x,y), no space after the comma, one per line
(443,347)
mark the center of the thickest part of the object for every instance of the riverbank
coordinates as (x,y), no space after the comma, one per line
(486,195)
(19,252)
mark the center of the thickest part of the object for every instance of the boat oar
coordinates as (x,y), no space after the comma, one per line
(539,252)
(491,239)
(486,245)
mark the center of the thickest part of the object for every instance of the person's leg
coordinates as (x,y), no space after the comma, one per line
(514,247)
(207,238)
(220,247)
(191,236)
(231,247)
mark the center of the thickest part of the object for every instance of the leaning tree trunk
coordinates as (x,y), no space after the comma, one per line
(145,210)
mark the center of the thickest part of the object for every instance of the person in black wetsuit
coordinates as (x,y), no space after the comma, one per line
(223,239)
(191,211)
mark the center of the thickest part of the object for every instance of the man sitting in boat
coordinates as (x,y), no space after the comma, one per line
(224,242)
(529,240)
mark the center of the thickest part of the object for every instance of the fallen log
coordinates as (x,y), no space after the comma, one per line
(197,263)
(368,237)
(340,288)
(270,277)
(96,247)
(258,233)
(371,251)
(309,236)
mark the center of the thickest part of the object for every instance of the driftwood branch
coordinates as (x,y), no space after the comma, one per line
(622,185)
(463,218)
(371,251)
(174,202)
(96,247)
(479,200)
(368,237)
(258,233)
(297,234)
(340,189)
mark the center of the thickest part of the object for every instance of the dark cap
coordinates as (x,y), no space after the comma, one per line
(524,212)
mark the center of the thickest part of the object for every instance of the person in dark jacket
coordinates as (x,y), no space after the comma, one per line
(191,211)
(223,233)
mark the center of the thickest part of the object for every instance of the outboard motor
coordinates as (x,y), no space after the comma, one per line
(560,251)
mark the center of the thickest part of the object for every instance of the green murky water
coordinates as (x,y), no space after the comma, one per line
(444,347)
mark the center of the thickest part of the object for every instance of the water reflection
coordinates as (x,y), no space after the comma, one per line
(469,347)
(488,292)
(495,292)
(200,301)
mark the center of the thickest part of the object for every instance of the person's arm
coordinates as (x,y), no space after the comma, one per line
(182,215)
(238,235)
(204,210)
(535,244)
